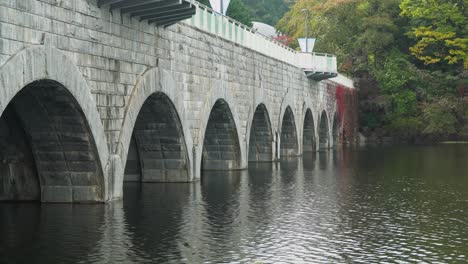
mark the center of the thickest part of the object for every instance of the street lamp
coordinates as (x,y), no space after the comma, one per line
(307,12)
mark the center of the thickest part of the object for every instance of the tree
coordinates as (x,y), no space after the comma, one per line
(359,32)
(268,11)
(440,29)
(398,95)
(441,116)
(237,10)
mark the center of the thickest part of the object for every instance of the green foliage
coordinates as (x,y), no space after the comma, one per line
(372,115)
(436,84)
(240,12)
(357,31)
(405,127)
(403,103)
(441,116)
(395,74)
(266,11)
(440,29)
(237,10)
(293,24)
(382,44)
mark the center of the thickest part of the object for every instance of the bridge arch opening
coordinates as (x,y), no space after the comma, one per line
(261,136)
(47,150)
(336,131)
(221,148)
(324,132)
(308,136)
(289,142)
(157,151)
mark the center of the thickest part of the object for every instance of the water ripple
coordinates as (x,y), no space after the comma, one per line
(346,207)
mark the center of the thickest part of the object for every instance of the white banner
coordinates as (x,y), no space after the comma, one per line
(216,5)
(310,46)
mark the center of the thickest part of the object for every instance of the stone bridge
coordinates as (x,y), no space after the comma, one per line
(91,96)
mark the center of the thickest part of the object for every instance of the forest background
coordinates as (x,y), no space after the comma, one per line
(409,58)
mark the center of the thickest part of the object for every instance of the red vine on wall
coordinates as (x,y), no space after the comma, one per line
(347,103)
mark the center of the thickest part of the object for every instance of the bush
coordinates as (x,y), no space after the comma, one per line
(442,117)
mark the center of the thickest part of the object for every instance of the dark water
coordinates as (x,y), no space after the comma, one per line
(394,205)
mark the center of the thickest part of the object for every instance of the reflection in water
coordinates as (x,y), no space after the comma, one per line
(49,232)
(153,214)
(371,205)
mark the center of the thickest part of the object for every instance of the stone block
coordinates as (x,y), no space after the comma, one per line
(154,175)
(172,164)
(149,164)
(56,194)
(173,155)
(86,194)
(177,176)
(132,178)
(83,178)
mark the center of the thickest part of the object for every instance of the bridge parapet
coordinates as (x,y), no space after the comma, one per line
(317,66)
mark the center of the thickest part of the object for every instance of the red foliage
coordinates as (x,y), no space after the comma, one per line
(284,39)
(347,103)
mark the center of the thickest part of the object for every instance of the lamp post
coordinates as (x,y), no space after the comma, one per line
(222,6)
(306,11)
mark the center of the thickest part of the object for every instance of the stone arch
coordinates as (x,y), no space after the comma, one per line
(324,131)
(308,134)
(289,143)
(157,150)
(288,101)
(336,130)
(44,98)
(221,146)
(157,95)
(217,92)
(261,136)
(261,97)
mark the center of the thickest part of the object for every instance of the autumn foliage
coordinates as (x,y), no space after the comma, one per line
(408,59)
(284,39)
(347,103)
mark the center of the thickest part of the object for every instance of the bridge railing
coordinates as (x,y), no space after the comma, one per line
(319,62)
(227,28)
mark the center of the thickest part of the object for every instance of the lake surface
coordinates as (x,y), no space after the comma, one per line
(369,205)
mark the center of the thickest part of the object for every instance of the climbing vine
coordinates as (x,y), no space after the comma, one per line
(347,107)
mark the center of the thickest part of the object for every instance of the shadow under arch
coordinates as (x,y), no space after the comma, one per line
(157,151)
(324,131)
(308,136)
(336,131)
(289,142)
(153,81)
(261,136)
(48,149)
(49,63)
(221,147)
